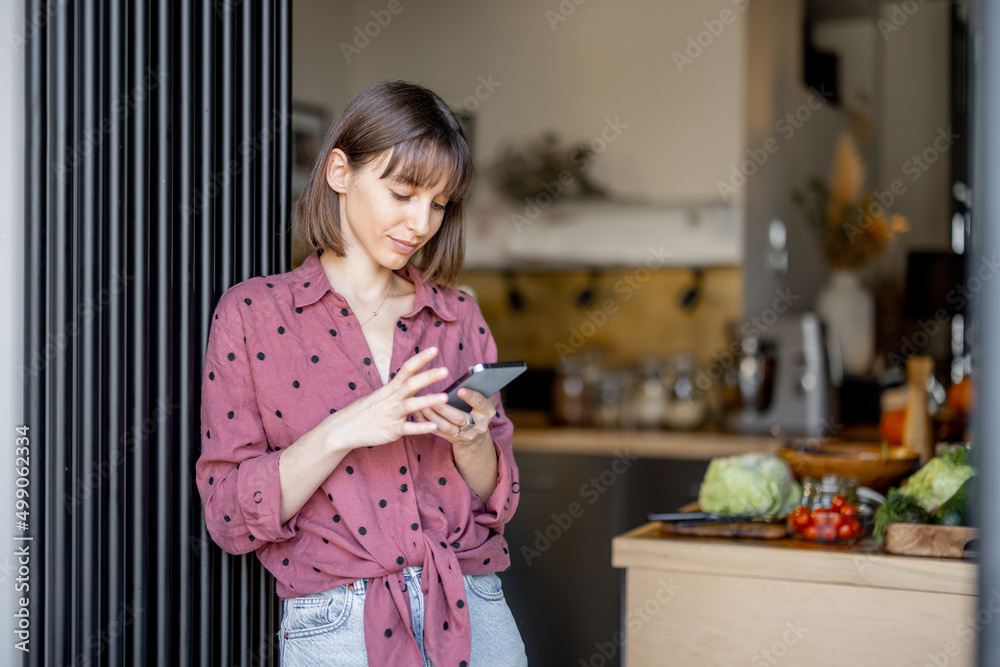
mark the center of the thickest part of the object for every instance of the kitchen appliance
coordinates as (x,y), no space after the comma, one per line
(784,379)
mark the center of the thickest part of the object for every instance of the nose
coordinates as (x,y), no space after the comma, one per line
(420,220)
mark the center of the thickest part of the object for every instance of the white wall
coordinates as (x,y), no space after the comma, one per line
(12,306)
(605,60)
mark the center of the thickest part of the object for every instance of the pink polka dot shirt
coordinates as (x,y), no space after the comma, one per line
(286,351)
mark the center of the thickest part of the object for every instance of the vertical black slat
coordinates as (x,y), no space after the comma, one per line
(223,176)
(116,277)
(36,288)
(57,417)
(226,270)
(137,394)
(266,223)
(187,366)
(161,330)
(244,156)
(283,85)
(204,221)
(86,501)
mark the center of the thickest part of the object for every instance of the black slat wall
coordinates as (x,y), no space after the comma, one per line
(158,171)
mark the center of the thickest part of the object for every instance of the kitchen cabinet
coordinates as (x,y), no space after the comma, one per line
(703,601)
(580,488)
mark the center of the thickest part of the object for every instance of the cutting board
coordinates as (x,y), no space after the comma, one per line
(760,530)
(913,539)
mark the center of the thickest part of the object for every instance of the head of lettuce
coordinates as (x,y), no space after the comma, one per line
(760,484)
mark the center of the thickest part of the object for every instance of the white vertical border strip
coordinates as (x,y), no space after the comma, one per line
(12,249)
(985,305)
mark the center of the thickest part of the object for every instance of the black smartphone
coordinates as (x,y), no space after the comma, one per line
(487,379)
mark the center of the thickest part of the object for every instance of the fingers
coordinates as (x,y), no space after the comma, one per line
(415,363)
(480,404)
(416,404)
(444,425)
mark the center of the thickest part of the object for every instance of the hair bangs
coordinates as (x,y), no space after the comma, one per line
(424,162)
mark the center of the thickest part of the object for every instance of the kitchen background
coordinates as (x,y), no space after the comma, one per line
(702,118)
(692,107)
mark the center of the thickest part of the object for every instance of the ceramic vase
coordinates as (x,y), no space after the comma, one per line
(848,308)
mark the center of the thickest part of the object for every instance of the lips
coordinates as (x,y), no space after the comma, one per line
(402,247)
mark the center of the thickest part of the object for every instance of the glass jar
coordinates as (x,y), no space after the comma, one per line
(650,394)
(829,510)
(570,393)
(686,405)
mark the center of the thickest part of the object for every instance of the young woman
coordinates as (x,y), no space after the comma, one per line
(328,448)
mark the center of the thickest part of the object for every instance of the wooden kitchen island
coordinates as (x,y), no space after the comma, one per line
(729,601)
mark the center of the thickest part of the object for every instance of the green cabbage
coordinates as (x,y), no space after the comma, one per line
(757,483)
(939,479)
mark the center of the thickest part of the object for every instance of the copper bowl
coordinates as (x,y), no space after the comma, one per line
(876,467)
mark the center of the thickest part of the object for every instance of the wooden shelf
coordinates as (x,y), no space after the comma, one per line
(647,444)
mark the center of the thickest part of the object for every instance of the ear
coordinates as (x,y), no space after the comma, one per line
(338,171)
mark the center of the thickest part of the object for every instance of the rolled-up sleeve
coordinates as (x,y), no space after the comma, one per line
(499,507)
(236,473)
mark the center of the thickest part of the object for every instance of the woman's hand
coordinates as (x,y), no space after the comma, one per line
(382,416)
(450,420)
(472,449)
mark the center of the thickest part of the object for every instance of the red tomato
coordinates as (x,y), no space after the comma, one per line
(828,532)
(845,530)
(802,520)
(855,526)
(837,503)
(837,519)
(810,532)
(849,510)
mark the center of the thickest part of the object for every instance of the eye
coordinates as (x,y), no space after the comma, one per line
(440,207)
(399,197)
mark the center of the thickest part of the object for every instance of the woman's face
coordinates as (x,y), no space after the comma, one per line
(385,218)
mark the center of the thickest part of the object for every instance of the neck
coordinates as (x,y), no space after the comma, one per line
(357,280)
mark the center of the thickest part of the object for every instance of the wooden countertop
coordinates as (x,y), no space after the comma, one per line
(789,559)
(651,444)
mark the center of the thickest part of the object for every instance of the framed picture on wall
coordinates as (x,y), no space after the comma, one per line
(309,126)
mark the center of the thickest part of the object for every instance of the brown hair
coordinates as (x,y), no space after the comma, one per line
(427,144)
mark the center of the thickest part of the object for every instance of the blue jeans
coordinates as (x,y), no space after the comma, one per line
(328,628)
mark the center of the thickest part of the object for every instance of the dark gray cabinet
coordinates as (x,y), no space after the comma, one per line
(562,590)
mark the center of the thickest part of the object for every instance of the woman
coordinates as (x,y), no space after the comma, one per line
(327,445)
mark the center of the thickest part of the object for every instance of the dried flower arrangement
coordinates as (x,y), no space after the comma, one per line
(855,229)
(542,165)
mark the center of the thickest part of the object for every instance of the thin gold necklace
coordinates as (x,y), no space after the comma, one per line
(375,312)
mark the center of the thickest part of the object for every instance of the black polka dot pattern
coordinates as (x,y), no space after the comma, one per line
(278,360)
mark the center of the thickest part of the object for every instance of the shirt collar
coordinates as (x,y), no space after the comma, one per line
(310,284)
